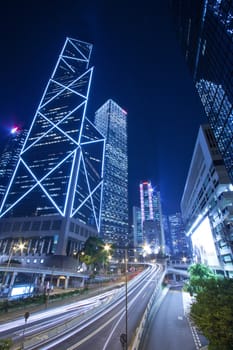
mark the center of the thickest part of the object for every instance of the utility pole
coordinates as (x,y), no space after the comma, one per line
(124,336)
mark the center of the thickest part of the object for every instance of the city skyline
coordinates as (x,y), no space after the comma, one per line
(137,63)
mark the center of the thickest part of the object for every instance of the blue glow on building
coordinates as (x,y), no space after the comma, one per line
(9,157)
(111,120)
(205,33)
(60,166)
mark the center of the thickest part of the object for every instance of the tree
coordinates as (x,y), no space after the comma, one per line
(94,252)
(198,273)
(5,344)
(212,312)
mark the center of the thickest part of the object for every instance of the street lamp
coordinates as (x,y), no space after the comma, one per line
(124,336)
(107,249)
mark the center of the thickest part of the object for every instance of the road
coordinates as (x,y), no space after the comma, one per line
(97,327)
(170,329)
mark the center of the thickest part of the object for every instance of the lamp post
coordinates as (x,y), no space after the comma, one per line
(123,336)
(126,299)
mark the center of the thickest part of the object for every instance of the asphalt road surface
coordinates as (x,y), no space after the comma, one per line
(170,328)
(94,323)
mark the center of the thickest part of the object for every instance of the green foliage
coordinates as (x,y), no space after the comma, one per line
(199,273)
(212,312)
(5,344)
(95,252)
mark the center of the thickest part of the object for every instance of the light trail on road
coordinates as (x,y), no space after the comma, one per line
(79,324)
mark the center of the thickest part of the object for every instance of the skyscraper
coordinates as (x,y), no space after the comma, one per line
(205,32)
(10,156)
(137,228)
(151,217)
(111,121)
(180,247)
(55,194)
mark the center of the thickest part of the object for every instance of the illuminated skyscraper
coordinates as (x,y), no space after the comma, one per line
(146,200)
(10,156)
(151,217)
(179,241)
(137,228)
(111,121)
(205,33)
(56,190)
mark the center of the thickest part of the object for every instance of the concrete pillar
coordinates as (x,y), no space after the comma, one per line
(66,282)
(36,280)
(42,247)
(49,245)
(82,283)
(7,277)
(43,278)
(12,281)
(58,282)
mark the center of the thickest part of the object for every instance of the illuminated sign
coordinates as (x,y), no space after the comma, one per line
(22,290)
(203,244)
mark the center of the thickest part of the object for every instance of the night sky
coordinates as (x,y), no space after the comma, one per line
(137,63)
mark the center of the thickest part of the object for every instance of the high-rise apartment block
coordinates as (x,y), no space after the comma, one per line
(205,33)
(54,198)
(151,217)
(207,205)
(10,156)
(111,121)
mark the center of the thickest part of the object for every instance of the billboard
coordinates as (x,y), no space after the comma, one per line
(23,290)
(203,245)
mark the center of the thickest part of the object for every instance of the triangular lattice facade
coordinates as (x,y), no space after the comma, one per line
(60,169)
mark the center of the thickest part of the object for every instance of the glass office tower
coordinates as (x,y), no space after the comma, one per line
(111,121)
(179,241)
(151,217)
(205,32)
(58,180)
(10,156)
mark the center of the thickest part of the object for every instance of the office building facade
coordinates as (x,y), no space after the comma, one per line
(111,121)
(167,236)
(179,241)
(207,205)
(137,227)
(205,33)
(10,156)
(151,217)
(53,201)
